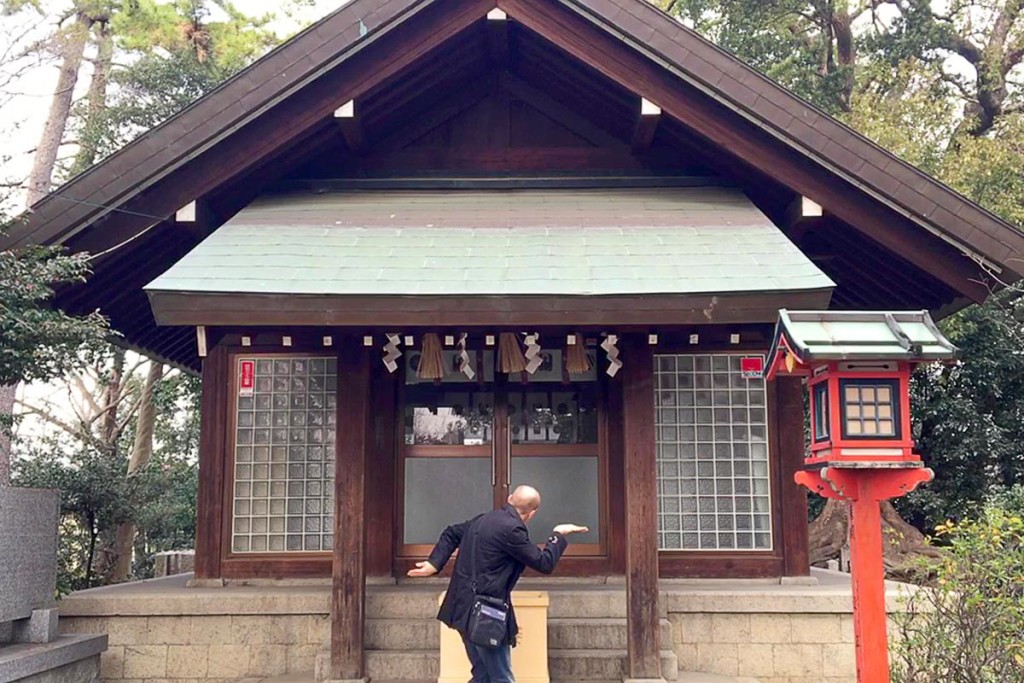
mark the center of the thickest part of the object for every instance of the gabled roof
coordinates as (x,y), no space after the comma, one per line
(330,42)
(267,115)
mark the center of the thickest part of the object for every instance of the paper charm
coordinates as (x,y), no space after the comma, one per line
(610,348)
(533,357)
(465,366)
(391,352)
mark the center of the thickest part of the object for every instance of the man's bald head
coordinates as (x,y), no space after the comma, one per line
(526,500)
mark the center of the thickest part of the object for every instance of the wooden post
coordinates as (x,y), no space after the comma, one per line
(348,593)
(792,523)
(644,660)
(213,427)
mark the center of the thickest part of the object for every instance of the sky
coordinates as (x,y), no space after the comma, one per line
(25,93)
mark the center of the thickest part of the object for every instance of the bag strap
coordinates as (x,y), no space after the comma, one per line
(475,558)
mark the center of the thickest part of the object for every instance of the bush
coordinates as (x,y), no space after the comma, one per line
(967,624)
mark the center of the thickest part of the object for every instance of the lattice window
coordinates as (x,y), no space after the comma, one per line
(870,409)
(284,454)
(714,489)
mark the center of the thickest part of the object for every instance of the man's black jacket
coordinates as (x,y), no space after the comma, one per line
(501,544)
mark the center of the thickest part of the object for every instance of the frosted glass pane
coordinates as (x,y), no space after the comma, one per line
(444,491)
(568,488)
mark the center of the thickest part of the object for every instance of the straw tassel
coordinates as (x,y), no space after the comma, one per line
(577,362)
(510,354)
(431,358)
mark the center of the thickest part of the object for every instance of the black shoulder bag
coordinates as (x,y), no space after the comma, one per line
(488,620)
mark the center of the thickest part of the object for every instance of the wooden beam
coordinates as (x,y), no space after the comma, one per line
(463,99)
(348,567)
(172,308)
(787,397)
(577,123)
(643,619)
(646,126)
(499,39)
(351,128)
(213,428)
(725,128)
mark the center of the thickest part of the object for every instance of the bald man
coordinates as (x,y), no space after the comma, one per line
(499,545)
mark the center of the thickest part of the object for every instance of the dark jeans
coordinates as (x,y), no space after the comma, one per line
(490,666)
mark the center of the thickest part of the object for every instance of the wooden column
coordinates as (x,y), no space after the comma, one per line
(637,376)
(348,570)
(789,427)
(380,474)
(213,426)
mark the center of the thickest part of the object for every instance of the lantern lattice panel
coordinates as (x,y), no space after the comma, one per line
(714,489)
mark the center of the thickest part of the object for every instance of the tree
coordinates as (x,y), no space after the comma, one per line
(934,83)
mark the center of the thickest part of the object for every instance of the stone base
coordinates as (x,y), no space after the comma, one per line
(205,583)
(322,672)
(43,661)
(39,628)
(798,581)
(643,680)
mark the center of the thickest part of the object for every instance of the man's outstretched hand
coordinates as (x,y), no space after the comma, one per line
(422,570)
(566,529)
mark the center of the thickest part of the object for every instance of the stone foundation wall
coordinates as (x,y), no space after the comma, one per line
(773,648)
(204,648)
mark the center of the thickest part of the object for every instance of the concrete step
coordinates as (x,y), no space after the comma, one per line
(410,665)
(601,665)
(563,634)
(604,603)
(595,634)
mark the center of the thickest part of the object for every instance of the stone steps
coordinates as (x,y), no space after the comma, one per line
(566,665)
(563,634)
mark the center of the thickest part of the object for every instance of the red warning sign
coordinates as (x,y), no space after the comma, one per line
(752,367)
(246,377)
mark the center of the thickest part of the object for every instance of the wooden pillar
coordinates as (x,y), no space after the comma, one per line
(792,522)
(348,570)
(380,474)
(213,426)
(637,375)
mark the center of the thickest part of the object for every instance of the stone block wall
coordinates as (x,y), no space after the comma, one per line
(771,647)
(205,648)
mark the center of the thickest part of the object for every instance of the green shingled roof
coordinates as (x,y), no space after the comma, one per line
(853,335)
(460,242)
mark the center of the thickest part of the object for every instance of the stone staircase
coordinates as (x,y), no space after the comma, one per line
(586,636)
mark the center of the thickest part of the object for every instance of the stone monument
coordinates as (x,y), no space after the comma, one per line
(31,649)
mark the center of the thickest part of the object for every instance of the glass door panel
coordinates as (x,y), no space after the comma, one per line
(570,487)
(466,445)
(439,491)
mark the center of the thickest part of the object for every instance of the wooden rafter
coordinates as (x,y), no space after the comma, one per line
(646,126)
(558,112)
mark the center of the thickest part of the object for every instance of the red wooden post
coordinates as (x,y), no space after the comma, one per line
(865,489)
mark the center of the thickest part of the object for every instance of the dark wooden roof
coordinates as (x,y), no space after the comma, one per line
(430,76)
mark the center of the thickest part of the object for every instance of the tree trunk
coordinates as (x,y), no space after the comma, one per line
(73,48)
(8,393)
(142,450)
(96,98)
(111,400)
(903,543)
(842,26)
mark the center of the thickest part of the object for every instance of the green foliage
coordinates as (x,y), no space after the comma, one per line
(97,496)
(965,625)
(969,417)
(782,39)
(39,342)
